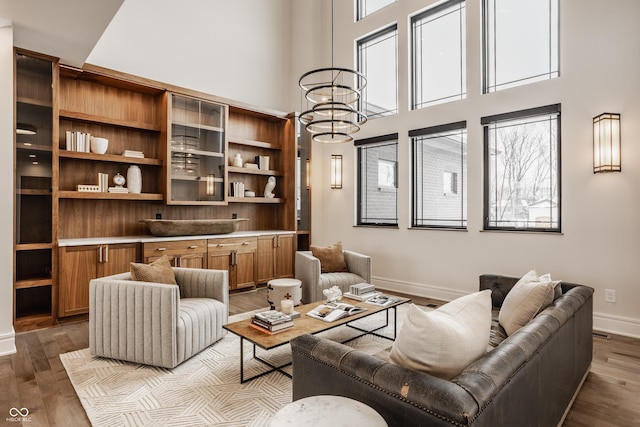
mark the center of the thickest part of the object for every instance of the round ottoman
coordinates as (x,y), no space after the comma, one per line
(322,411)
(279,289)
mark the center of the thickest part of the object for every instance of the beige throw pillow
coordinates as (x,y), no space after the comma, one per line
(528,297)
(159,271)
(331,257)
(444,341)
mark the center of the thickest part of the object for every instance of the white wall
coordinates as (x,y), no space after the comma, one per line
(7,342)
(600,243)
(234,49)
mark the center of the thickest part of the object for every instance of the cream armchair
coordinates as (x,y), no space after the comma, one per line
(307,269)
(157,324)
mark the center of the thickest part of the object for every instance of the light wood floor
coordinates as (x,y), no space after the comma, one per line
(34,377)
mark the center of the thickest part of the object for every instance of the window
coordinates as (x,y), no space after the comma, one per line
(522,170)
(439,156)
(520,42)
(377,60)
(367,7)
(378,180)
(438,54)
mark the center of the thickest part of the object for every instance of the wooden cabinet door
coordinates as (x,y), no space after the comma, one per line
(117,259)
(284,256)
(77,266)
(245,268)
(191,261)
(266,260)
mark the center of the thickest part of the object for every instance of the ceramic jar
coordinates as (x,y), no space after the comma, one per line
(134,179)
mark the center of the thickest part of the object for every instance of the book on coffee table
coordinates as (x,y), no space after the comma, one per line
(330,312)
(381,300)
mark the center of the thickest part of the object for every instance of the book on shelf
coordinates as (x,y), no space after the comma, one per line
(133,153)
(381,300)
(78,141)
(362,297)
(262,162)
(330,312)
(361,288)
(236,189)
(269,331)
(118,190)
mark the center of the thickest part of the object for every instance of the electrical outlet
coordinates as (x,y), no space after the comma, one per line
(609,295)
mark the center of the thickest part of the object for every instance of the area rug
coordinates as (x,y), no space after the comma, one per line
(203,391)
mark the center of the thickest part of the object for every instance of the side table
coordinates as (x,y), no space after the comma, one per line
(322,411)
(279,289)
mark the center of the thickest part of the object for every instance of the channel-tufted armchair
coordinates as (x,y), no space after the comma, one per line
(308,269)
(154,323)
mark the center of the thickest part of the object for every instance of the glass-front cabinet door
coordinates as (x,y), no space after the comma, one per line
(196,152)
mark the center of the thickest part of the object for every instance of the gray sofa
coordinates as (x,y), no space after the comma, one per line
(308,270)
(529,379)
(155,323)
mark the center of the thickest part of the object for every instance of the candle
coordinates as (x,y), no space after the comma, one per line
(286,306)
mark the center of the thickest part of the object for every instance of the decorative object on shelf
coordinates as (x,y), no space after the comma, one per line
(119,180)
(606,143)
(25,129)
(103,182)
(86,188)
(237,160)
(268,189)
(249,193)
(263,162)
(332,294)
(134,179)
(99,145)
(332,95)
(251,166)
(192,227)
(336,171)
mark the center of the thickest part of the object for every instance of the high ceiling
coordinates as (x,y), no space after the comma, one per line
(67,29)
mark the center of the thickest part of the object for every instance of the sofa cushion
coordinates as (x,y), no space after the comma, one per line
(159,271)
(527,298)
(331,257)
(444,341)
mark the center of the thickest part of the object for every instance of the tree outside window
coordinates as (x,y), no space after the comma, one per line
(522,179)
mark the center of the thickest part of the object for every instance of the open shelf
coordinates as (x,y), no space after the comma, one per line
(253,143)
(110,158)
(265,200)
(235,169)
(92,118)
(33,101)
(198,126)
(197,152)
(108,196)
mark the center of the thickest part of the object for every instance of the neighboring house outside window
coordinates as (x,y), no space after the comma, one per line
(439,174)
(438,47)
(522,170)
(520,42)
(377,171)
(378,61)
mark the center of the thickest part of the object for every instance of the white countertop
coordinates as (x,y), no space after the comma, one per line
(148,238)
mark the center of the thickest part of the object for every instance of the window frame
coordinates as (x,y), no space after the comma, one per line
(359,9)
(413,56)
(434,130)
(391,138)
(515,115)
(486,84)
(362,102)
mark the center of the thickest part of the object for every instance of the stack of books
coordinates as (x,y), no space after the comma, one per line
(361,291)
(133,153)
(271,321)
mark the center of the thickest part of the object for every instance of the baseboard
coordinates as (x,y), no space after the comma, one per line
(417,289)
(618,325)
(8,343)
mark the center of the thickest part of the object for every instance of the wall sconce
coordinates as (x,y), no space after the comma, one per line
(606,143)
(308,174)
(336,171)
(208,187)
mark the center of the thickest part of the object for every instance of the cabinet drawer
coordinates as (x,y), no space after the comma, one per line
(233,244)
(179,247)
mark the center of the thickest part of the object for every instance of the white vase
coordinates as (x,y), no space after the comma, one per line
(134,179)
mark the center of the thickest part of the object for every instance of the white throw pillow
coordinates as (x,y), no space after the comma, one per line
(444,341)
(528,297)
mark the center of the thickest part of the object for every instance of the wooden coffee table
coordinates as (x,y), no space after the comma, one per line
(307,325)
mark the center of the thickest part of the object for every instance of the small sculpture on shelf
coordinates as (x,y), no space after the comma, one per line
(268,189)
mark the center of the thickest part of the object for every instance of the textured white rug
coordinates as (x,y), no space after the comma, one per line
(203,391)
